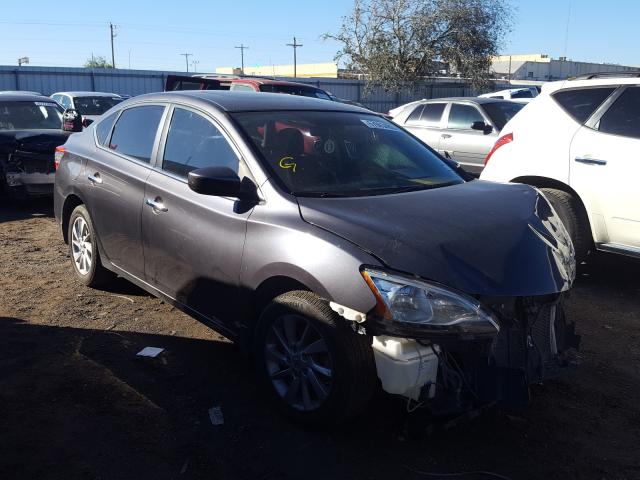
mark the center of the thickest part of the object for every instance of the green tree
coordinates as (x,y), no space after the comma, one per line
(396,43)
(97,62)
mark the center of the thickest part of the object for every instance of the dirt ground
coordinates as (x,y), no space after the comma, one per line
(76,402)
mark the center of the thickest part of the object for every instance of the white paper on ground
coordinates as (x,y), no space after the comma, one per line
(215,415)
(150,352)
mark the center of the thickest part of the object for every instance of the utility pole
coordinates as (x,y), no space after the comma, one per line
(242,49)
(295,46)
(112,27)
(186,59)
(194,64)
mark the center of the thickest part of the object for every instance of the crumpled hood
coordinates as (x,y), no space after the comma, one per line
(40,141)
(482,238)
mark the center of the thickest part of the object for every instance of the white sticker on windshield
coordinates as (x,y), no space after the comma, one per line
(45,104)
(379,125)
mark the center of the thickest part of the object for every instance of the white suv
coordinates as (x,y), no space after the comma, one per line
(579,142)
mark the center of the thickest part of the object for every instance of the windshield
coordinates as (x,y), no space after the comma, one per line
(295,90)
(30,116)
(94,105)
(335,154)
(501,112)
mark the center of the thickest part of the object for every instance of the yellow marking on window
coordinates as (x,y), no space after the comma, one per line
(291,165)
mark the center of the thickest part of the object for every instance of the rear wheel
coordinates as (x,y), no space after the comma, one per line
(574,219)
(83,249)
(313,364)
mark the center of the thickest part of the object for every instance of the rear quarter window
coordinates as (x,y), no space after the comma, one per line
(414,117)
(581,103)
(103,129)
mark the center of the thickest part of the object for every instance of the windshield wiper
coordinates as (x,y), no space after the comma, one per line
(320,194)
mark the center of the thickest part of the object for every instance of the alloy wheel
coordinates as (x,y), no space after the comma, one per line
(298,362)
(81,246)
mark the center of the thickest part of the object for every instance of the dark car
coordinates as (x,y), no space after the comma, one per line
(366,260)
(30,131)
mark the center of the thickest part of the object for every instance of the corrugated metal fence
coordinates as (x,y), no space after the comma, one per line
(48,80)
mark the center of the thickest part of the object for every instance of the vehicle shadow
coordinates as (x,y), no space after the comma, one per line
(609,271)
(80,403)
(12,210)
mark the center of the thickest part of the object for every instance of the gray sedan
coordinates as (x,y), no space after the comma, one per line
(339,250)
(462,129)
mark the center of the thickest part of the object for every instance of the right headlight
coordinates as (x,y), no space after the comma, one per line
(420,307)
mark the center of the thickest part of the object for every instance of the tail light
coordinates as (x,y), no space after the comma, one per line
(503,140)
(57,157)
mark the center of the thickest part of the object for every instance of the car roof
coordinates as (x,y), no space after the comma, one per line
(589,82)
(25,97)
(259,81)
(477,100)
(230,101)
(87,94)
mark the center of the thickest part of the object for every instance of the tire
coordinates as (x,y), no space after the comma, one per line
(347,357)
(574,219)
(83,250)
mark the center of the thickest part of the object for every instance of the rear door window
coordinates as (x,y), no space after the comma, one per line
(461,117)
(193,141)
(432,114)
(581,103)
(135,132)
(623,118)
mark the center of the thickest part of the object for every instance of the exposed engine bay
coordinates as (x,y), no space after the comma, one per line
(534,343)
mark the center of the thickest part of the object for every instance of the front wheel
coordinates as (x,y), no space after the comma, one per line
(313,364)
(574,219)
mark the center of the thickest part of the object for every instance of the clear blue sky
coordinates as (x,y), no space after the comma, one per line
(154,33)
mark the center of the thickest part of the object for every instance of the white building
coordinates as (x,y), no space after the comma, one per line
(541,67)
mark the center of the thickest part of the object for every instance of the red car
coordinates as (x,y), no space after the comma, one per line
(249,84)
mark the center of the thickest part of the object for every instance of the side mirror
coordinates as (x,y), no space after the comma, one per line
(71,121)
(483,127)
(215,181)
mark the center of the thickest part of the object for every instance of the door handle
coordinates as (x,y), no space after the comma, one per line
(445,135)
(95,178)
(156,204)
(590,161)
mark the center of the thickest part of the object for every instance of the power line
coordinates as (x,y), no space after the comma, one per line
(295,46)
(186,59)
(242,49)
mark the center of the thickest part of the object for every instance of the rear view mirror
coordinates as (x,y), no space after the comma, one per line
(215,181)
(71,121)
(483,127)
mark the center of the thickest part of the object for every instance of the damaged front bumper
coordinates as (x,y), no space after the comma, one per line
(28,174)
(534,342)
(31,184)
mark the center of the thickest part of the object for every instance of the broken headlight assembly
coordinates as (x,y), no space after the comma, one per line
(414,307)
